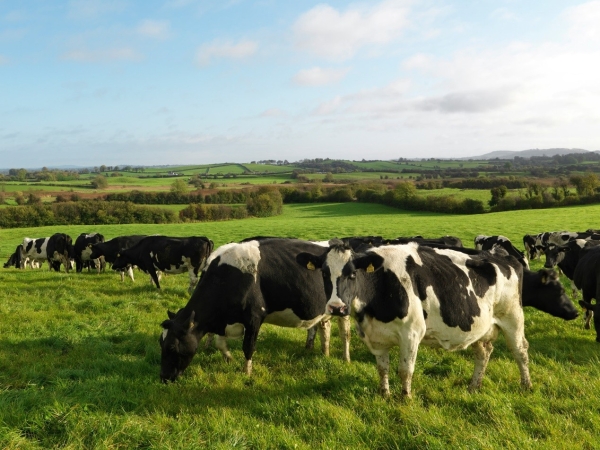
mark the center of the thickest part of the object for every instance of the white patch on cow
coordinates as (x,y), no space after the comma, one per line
(244,256)
(580,242)
(86,253)
(164,334)
(336,260)
(321,243)
(287,318)
(234,331)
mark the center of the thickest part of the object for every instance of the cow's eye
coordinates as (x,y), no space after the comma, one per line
(352,276)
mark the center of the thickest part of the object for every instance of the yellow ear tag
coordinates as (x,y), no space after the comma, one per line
(310,266)
(191,325)
(118,255)
(370,268)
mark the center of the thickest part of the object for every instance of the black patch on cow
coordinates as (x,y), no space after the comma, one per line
(38,244)
(483,275)
(458,304)
(389,299)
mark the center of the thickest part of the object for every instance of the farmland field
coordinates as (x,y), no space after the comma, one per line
(79,359)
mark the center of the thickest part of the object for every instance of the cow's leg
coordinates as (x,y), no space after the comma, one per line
(221,344)
(249,344)
(193,278)
(482,351)
(409,346)
(324,329)
(311,333)
(383,367)
(515,339)
(210,340)
(344,329)
(130,273)
(154,277)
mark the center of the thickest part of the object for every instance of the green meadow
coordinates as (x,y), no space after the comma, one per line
(79,359)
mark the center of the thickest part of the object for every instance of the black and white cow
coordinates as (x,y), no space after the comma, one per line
(83,250)
(60,251)
(483,242)
(402,295)
(14,260)
(245,285)
(155,254)
(56,249)
(110,249)
(587,278)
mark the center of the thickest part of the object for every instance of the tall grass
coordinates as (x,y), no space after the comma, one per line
(79,360)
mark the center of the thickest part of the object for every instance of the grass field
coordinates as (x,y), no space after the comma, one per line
(79,359)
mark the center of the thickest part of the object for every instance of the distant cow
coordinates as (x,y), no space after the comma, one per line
(483,242)
(56,249)
(401,295)
(587,278)
(14,260)
(155,254)
(245,285)
(83,250)
(110,249)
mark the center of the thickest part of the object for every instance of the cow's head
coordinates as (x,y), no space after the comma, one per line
(546,293)
(339,266)
(555,254)
(178,344)
(122,261)
(529,242)
(331,264)
(96,251)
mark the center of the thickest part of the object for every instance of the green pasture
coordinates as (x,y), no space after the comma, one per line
(475,194)
(79,359)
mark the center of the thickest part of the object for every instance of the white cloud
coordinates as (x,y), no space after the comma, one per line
(227,50)
(113,54)
(584,21)
(273,112)
(156,29)
(330,33)
(318,76)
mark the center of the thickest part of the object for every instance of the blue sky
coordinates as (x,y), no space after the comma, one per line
(89,82)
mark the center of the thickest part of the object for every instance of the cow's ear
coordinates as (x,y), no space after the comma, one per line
(188,325)
(547,275)
(369,262)
(309,261)
(171,314)
(167,324)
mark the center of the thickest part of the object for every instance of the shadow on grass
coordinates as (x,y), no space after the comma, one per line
(353,209)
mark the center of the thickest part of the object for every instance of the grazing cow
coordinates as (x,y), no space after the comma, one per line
(566,257)
(155,254)
(483,242)
(15,259)
(83,250)
(402,295)
(110,249)
(60,251)
(55,249)
(543,291)
(587,278)
(245,285)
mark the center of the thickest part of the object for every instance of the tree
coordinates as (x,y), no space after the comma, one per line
(497,194)
(405,190)
(99,182)
(328,178)
(179,187)
(586,184)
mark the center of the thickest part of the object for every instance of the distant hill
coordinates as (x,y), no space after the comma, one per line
(507,154)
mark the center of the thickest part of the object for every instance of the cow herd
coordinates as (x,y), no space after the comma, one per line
(401,292)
